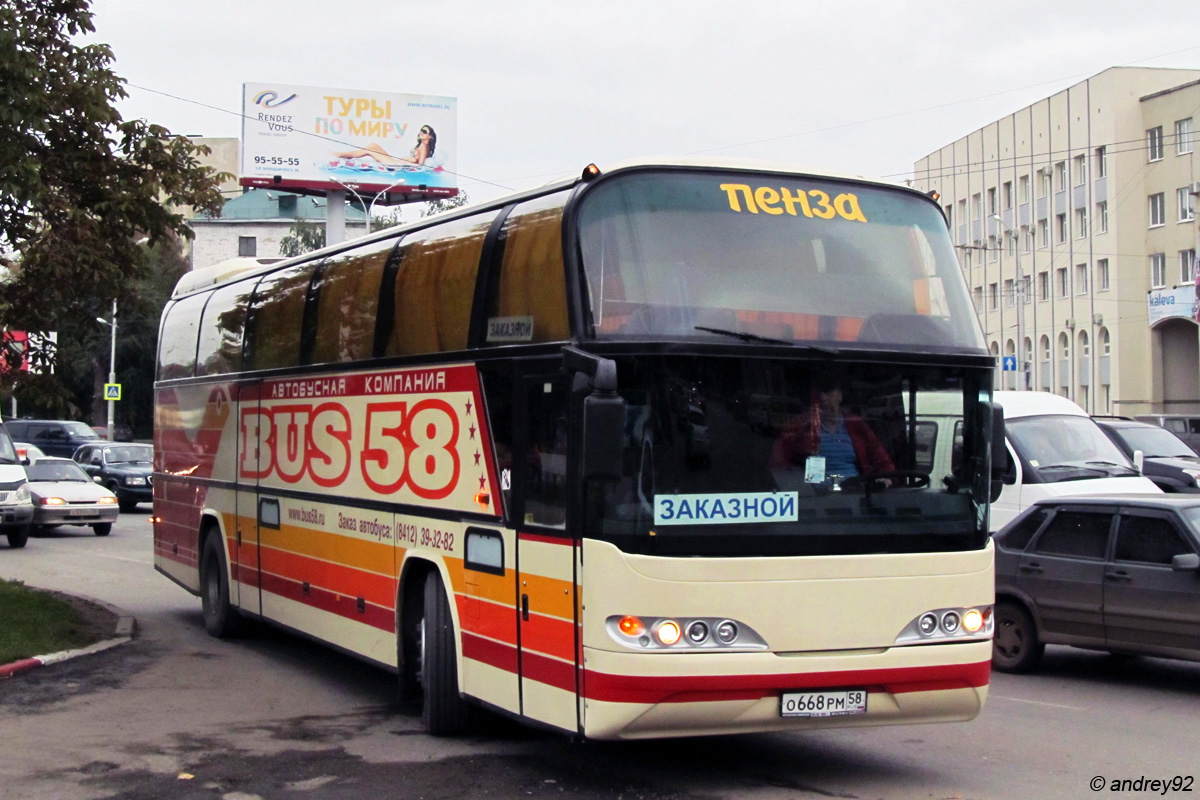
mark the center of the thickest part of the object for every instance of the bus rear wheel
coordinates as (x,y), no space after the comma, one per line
(221,619)
(443,711)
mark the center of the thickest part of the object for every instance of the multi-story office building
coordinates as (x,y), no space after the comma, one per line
(1075,226)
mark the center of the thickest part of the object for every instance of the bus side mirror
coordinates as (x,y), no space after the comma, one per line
(603,426)
(999,453)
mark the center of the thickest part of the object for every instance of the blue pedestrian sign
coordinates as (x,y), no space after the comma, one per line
(1010,364)
(112,391)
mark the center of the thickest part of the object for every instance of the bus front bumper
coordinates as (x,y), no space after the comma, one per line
(650,695)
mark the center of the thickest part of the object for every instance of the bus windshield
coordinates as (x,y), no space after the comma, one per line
(748,457)
(772,257)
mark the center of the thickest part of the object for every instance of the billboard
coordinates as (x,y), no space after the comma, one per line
(310,139)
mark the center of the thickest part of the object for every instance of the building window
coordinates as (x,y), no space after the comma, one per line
(1158,270)
(1080,170)
(1102,274)
(1102,216)
(1023,188)
(1026,239)
(1154,143)
(1044,187)
(992,248)
(1187,266)
(1060,227)
(1081,223)
(967,258)
(1008,195)
(1105,342)
(1101,162)
(1043,233)
(1043,285)
(1008,292)
(1064,346)
(977,293)
(1158,213)
(1060,175)
(1183,136)
(993,298)
(962,212)
(992,201)
(1187,204)
(949,209)
(1012,244)
(1085,346)
(1081,279)
(248,246)
(1045,349)
(977,205)
(1026,295)
(1063,285)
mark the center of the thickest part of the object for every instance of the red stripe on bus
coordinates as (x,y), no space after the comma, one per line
(382,618)
(493,620)
(550,671)
(537,537)
(495,654)
(549,635)
(650,690)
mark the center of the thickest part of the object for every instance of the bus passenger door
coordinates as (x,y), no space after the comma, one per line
(546,593)
(245,592)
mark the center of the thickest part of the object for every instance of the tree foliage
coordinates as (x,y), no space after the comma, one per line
(303,237)
(80,187)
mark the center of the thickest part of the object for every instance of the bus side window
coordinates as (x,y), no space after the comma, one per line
(220,349)
(177,351)
(530,291)
(435,287)
(275,328)
(545,463)
(347,292)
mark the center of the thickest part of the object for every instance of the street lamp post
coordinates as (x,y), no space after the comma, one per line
(112,368)
(368,208)
(1019,283)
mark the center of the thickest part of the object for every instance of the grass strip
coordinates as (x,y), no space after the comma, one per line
(35,623)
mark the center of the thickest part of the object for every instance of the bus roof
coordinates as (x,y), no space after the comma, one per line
(207,277)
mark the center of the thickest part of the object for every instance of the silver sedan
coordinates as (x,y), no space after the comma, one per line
(63,494)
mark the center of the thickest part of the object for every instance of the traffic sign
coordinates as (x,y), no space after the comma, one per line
(1010,363)
(112,391)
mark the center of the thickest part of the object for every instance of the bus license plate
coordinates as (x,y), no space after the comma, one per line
(823,704)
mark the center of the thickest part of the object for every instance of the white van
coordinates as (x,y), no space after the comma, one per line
(1055,449)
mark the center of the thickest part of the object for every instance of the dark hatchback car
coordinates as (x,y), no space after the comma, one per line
(1168,461)
(1119,573)
(125,469)
(54,437)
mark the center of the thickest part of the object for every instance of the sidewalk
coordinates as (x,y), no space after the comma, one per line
(122,633)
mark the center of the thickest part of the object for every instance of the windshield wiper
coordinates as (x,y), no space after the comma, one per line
(1121,467)
(1079,467)
(745,337)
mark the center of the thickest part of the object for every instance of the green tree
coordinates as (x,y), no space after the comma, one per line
(302,237)
(79,185)
(427,209)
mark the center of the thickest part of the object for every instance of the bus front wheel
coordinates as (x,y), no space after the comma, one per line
(443,711)
(221,619)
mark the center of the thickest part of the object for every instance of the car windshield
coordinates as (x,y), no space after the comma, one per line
(132,453)
(8,455)
(1063,447)
(77,430)
(53,471)
(1155,442)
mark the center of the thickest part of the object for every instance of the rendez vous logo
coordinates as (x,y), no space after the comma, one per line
(270,99)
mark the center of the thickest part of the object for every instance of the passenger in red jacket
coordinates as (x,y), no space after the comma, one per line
(826,441)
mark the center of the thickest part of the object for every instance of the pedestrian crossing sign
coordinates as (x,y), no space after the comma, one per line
(112,391)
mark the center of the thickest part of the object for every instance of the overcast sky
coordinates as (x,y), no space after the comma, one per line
(545,87)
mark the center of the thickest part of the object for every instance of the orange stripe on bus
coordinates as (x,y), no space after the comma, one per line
(377,589)
(331,547)
(549,596)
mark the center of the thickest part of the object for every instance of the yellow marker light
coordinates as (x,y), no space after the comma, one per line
(668,632)
(631,626)
(590,171)
(972,621)
(483,499)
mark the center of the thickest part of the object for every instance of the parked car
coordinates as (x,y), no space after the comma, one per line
(16,512)
(63,494)
(55,437)
(1171,464)
(1185,426)
(1108,572)
(122,432)
(127,470)
(27,453)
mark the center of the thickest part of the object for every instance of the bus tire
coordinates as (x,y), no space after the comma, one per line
(221,619)
(443,711)
(1016,647)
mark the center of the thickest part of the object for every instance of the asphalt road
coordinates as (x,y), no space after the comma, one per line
(177,714)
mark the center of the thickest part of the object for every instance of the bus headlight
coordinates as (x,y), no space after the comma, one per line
(683,633)
(948,624)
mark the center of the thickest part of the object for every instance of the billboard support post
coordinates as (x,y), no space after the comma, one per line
(335,217)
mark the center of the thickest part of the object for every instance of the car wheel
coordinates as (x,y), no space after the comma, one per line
(1015,647)
(221,619)
(102,528)
(17,537)
(443,712)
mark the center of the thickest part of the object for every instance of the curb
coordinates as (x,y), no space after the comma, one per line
(122,633)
